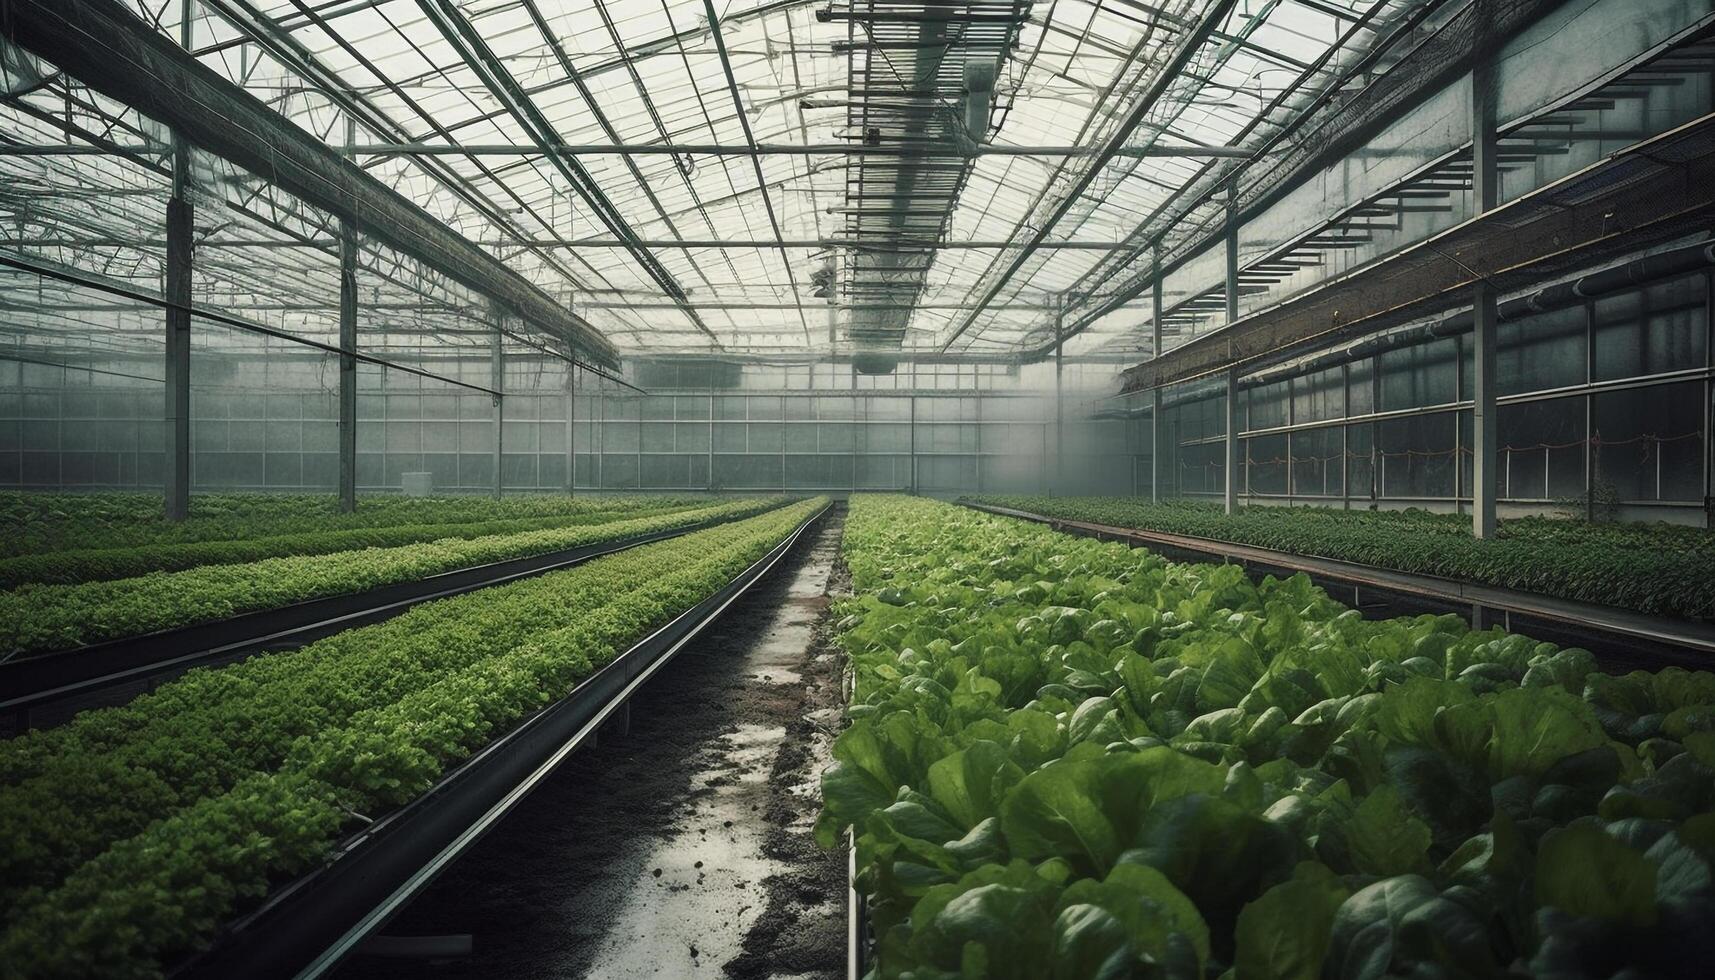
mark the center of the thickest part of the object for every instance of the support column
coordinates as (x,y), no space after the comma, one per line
(1346,435)
(177,471)
(1157,307)
(979,423)
(1485,430)
(913,427)
(571,429)
(1708,404)
(347,366)
(1230,499)
(1232,285)
(497,379)
(1059,400)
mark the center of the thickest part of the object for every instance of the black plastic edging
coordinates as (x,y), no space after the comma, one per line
(42,680)
(309,925)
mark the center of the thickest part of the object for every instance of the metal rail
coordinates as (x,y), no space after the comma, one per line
(84,674)
(1620,637)
(306,927)
(857,917)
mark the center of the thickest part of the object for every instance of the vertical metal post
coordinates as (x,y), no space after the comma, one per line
(1378,462)
(1459,434)
(1230,500)
(178,366)
(347,365)
(1485,423)
(1157,306)
(977,388)
(177,469)
(912,426)
(497,379)
(572,428)
(1708,402)
(1346,435)
(1232,290)
(709,477)
(1059,400)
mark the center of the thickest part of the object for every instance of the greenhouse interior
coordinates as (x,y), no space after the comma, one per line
(857,489)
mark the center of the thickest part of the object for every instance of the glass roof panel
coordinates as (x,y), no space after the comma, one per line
(682,189)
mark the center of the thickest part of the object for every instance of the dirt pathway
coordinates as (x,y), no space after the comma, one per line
(682,849)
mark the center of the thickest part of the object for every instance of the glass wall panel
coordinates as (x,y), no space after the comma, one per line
(1361,387)
(1542,450)
(1541,351)
(1267,405)
(1649,443)
(1360,461)
(1413,377)
(1416,455)
(1317,396)
(1266,459)
(1660,328)
(1316,458)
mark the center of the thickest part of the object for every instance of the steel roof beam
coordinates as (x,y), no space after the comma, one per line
(1639,196)
(473,49)
(1188,45)
(1332,128)
(750,143)
(853,149)
(116,53)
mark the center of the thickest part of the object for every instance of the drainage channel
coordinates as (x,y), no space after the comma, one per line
(681,847)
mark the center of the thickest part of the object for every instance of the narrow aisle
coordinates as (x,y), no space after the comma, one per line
(683,848)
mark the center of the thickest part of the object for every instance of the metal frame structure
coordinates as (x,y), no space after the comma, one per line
(525,128)
(983,179)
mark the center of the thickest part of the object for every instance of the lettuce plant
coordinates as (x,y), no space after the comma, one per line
(1073,759)
(42,618)
(129,834)
(1654,568)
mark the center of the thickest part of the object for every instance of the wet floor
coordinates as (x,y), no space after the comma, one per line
(683,848)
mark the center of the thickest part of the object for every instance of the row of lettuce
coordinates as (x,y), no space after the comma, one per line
(1069,759)
(37,619)
(33,522)
(105,564)
(128,835)
(1655,568)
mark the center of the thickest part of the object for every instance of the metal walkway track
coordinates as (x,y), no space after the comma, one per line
(307,926)
(1621,638)
(80,677)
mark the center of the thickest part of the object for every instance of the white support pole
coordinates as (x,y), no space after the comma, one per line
(178,342)
(497,381)
(1230,499)
(571,429)
(177,466)
(912,426)
(1058,476)
(348,351)
(1485,423)
(1157,308)
(347,366)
